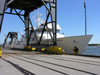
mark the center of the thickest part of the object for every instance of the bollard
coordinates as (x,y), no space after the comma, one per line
(33,49)
(43,49)
(0,52)
(76,50)
(55,50)
(27,48)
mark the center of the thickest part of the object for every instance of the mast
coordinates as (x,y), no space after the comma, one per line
(85,18)
(38,18)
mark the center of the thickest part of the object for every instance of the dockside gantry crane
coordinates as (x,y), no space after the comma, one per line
(28,6)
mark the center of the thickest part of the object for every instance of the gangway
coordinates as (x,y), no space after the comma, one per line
(28,6)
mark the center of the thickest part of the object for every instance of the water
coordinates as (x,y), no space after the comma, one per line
(92,50)
(0,45)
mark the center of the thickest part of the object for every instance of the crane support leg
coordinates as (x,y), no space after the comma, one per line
(54,20)
(2,9)
(52,11)
(26,18)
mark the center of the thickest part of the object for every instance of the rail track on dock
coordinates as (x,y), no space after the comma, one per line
(30,59)
(36,64)
(22,70)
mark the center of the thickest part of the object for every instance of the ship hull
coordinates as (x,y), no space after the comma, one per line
(66,43)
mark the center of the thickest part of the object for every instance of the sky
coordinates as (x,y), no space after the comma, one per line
(70,17)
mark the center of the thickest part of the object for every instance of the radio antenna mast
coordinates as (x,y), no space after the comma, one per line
(85,18)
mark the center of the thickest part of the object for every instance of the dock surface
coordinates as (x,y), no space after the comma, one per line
(16,62)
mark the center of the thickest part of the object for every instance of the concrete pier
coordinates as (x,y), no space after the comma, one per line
(16,62)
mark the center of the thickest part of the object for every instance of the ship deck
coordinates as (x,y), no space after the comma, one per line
(18,62)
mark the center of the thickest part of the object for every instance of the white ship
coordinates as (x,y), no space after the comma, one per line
(67,43)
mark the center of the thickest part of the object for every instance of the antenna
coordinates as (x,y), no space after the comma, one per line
(85,18)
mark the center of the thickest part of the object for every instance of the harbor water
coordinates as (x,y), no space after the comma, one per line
(92,50)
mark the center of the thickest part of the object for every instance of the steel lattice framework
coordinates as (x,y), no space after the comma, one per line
(28,6)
